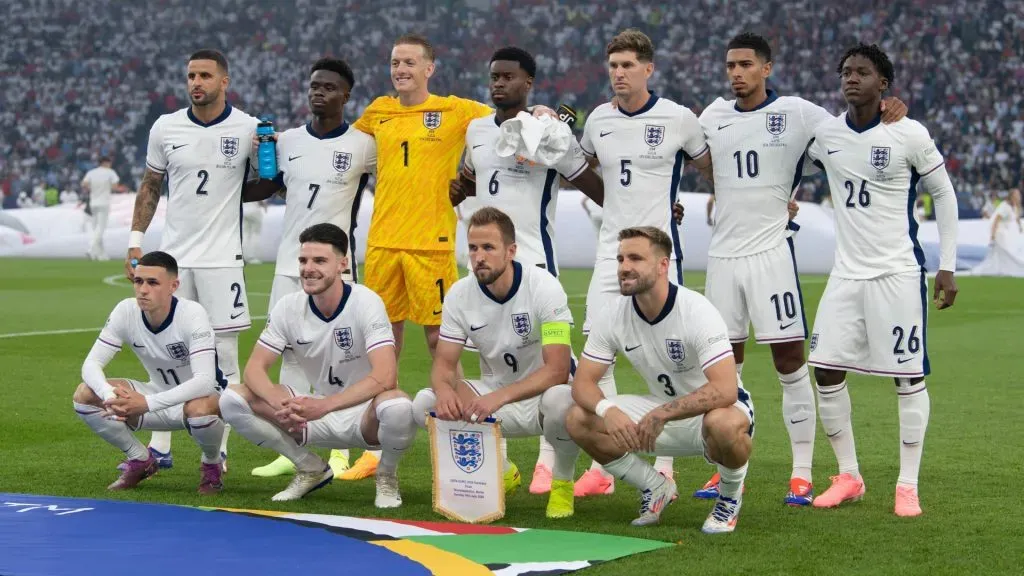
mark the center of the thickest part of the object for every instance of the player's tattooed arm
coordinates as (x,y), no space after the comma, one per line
(703,165)
(147,200)
(720,391)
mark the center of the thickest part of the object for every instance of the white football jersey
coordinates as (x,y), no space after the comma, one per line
(325,178)
(758,157)
(506,332)
(641,156)
(872,176)
(672,351)
(165,350)
(206,166)
(332,351)
(527,192)
(101,182)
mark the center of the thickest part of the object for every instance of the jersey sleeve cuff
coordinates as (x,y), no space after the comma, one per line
(716,359)
(109,343)
(701,152)
(587,152)
(576,173)
(452,339)
(201,350)
(155,169)
(380,343)
(932,169)
(598,359)
(271,347)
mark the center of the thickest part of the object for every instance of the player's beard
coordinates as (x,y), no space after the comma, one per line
(327,282)
(489,275)
(207,99)
(640,284)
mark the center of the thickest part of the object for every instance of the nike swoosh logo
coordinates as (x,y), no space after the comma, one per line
(603,134)
(798,421)
(903,360)
(437,312)
(290,158)
(726,126)
(475,328)
(786,326)
(477,146)
(905,443)
(301,343)
(833,435)
(173,147)
(831,152)
(386,120)
(137,345)
(233,316)
(628,349)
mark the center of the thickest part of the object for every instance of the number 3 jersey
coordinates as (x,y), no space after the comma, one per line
(873,175)
(670,351)
(506,331)
(331,350)
(206,166)
(325,176)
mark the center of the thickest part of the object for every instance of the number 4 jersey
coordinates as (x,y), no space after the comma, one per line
(331,350)
(325,176)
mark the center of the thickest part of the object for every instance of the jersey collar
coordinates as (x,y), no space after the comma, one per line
(346,291)
(332,134)
(872,124)
(669,303)
(223,116)
(651,101)
(772,97)
(517,279)
(167,321)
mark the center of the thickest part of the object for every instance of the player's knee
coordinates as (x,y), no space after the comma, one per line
(555,403)
(84,395)
(205,406)
(826,377)
(226,344)
(422,404)
(577,423)
(232,404)
(788,357)
(725,423)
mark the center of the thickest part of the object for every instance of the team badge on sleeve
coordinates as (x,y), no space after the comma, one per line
(432,120)
(343,338)
(177,350)
(879,157)
(654,135)
(467,450)
(521,324)
(676,351)
(342,161)
(229,146)
(776,124)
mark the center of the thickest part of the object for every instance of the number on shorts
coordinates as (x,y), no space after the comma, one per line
(440,289)
(173,376)
(237,289)
(332,379)
(785,304)
(670,390)
(204,177)
(314,188)
(512,362)
(913,342)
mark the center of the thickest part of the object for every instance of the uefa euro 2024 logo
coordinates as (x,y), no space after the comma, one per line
(467,449)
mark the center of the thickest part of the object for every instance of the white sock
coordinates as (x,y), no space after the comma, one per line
(554,406)
(739,368)
(235,410)
(546,455)
(604,472)
(396,432)
(224,439)
(663,464)
(226,344)
(160,441)
(114,432)
(376,453)
(798,412)
(207,431)
(607,386)
(915,407)
(731,484)
(504,454)
(636,472)
(422,404)
(834,409)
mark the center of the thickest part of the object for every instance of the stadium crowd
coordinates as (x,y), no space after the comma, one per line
(88,79)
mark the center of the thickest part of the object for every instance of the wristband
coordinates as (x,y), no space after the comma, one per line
(602,407)
(135,239)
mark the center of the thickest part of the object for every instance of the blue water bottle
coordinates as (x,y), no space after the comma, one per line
(267,151)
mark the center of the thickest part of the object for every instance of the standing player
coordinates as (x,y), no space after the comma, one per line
(99,183)
(342,340)
(873,315)
(640,143)
(173,340)
(518,317)
(757,143)
(203,151)
(696,406)
(325,166)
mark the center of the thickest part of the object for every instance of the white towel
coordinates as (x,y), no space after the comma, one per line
(543,140)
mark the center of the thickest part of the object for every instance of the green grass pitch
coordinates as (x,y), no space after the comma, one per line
(973,516)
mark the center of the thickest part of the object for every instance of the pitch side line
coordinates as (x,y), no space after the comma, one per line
(71,331)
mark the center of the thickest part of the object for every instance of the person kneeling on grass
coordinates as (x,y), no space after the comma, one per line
(344,345)
(173,340)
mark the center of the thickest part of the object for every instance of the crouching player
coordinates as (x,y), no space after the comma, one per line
(678,342)
(518,317)
(173,340)
(344,345)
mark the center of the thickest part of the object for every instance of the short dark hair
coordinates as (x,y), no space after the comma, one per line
(161,260)
(418,40)
(326,233)
(516,54)
(632,40)
(211,54)
(491,215)
(877,56)
(105,159)
(338,66)
(656,236)
(755,42)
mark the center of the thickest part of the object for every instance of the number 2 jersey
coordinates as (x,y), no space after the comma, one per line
(331,350)
(506,331)
(206,166)
(325,177)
